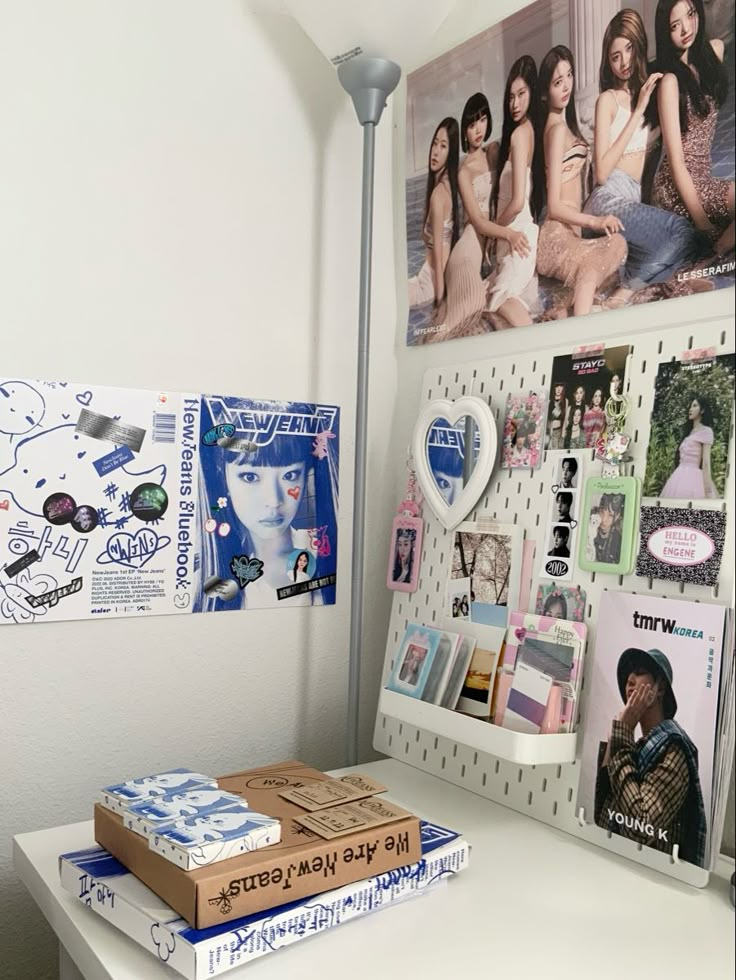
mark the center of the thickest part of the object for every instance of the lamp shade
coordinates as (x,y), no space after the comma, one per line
(396,30)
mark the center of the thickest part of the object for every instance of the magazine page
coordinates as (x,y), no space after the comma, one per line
(650,722)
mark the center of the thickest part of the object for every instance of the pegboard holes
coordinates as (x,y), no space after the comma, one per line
(498,766)
(454,751)
(569,795)
(417,735)
(424,756)
(559,771)
(506,789)
(554,809)
(444,762)
(544,785)
(484,779)
(475,758)
(529,799)
(462,771)
(520,775)
(401,728)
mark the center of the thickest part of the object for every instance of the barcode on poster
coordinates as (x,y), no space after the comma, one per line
(164,427)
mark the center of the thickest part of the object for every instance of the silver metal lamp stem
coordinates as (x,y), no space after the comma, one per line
(369,82)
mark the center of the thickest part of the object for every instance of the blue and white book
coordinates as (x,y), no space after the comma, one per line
(98,880)
(145,817)
(119,796)
(216,835)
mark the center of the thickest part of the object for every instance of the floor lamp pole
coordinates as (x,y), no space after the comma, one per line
(369,82)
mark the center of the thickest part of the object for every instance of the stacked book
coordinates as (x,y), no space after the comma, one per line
(340,851)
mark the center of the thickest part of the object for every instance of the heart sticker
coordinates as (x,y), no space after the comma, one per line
(293,492)
(450,515)
(4,504)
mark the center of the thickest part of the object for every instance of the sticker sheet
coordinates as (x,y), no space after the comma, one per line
(116,502)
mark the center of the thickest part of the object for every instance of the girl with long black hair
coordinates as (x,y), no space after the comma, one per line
(513,290)
(694,87)
(660,242)
(691,479)
(465,295)
(441,224)
(561,168)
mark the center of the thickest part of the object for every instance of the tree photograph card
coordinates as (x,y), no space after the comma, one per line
(681,545)
(489,554)
(687,455)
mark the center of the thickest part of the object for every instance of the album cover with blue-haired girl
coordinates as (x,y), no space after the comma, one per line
(267,497)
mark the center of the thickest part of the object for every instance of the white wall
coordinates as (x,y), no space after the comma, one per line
(179,209)
(179,201)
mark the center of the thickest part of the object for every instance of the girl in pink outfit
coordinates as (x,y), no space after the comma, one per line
(692,479)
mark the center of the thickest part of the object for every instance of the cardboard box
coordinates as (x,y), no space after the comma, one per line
(299,866)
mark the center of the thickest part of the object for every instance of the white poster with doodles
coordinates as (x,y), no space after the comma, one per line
(107,506)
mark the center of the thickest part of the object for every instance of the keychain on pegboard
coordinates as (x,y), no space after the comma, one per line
(407,531)
(612,447)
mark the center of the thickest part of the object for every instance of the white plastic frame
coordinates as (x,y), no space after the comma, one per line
(545,791)
(463,407)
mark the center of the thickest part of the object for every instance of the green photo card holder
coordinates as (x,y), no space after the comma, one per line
(608,523)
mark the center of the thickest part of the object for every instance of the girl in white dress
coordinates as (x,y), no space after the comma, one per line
(461,314)
(513,289)
(441,227)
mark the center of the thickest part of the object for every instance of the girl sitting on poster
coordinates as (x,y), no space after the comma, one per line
(513,291)
(692,479)
(594,420)
(660,242)
(461,313)
(276,496)
(441,225)
(694,87)
(561,165)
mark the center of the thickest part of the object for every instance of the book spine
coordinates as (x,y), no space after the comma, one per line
(99,895)
(333,908)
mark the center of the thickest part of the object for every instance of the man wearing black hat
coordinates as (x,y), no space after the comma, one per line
(649,790)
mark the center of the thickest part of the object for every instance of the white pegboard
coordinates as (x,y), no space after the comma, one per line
(545,792)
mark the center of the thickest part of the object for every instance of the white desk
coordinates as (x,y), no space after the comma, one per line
(534,903)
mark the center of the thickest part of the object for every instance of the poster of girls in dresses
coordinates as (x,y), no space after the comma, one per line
(576,157)
(581,384)
(687,456)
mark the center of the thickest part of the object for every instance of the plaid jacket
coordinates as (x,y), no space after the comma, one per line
(650,791)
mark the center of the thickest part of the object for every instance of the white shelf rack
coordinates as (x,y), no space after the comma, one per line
(458,749)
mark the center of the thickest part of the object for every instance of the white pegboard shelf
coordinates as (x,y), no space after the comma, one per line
(519,747)
(546,792)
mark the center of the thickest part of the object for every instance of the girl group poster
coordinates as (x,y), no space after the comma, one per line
(577,157)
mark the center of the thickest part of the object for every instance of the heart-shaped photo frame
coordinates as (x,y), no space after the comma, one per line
(450,515)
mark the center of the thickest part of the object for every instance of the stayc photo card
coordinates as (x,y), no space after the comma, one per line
(542,166)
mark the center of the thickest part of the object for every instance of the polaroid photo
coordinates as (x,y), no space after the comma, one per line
(609,517)
(523,431)
(413,660)
(459,591)
(439,672)
(405,554)
(561,602)
(477,687)
(490,554)
(687,452)
(458,671)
